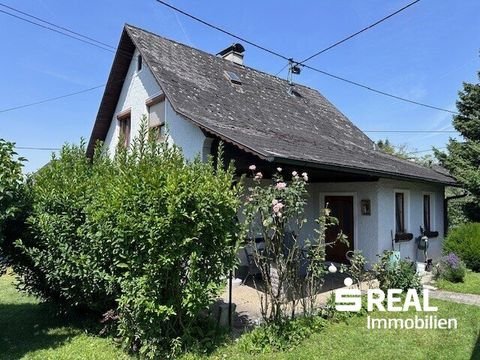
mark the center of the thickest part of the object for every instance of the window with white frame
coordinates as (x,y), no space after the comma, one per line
(156,116)
(427,212)
(400,216)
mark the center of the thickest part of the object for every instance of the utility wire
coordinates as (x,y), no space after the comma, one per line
(51,99)
(221,30)
(64,31)
(57,26)
(89,41)
(308,66)
(57,31)
(358,32)
(412,131)
(36,148)
(366,87)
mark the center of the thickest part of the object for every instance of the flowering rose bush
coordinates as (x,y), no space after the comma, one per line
(450,268)
(292,267)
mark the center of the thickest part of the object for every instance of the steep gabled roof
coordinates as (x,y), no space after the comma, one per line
(260,115)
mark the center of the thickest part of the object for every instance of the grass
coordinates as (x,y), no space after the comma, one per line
(352,340)
(470,285)
(32,330)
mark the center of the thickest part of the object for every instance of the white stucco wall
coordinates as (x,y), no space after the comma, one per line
(372,233)
(413,217)
(137,88)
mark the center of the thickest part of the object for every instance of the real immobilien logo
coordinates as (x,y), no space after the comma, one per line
(394,300)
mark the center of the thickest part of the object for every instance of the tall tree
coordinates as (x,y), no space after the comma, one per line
(463,157)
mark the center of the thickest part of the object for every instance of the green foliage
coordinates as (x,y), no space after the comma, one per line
(144,234)
(282,336)
(396,274)
(450,268)
(13,200)
(357,268)
(400,151)
(464,241)
(463,157)
(276,212)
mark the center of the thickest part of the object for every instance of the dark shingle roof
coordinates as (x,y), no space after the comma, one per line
(260,115)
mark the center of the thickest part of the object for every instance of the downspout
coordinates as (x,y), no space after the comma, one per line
(445,209)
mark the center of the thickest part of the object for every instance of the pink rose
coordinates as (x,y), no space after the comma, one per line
(252,167)
(258,176)
(279,169)
(278,207)
(281,185)
(294,173)
(274,202)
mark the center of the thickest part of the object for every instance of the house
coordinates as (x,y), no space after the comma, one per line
(382,202)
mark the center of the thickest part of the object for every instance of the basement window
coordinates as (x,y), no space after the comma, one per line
(139,63)
(234,78)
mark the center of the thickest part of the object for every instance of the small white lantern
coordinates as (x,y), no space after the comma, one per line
(348,281)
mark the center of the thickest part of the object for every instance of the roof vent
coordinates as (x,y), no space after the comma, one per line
(233,53)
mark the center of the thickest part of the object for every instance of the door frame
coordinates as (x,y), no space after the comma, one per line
(355,210)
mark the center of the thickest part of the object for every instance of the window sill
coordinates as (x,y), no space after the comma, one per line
(431,234)
(403,237)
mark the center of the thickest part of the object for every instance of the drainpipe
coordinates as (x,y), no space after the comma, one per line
(445,209)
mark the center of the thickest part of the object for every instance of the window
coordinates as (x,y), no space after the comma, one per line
(124,123)
(139,63)
(399,212)
(427,224)
(156,116)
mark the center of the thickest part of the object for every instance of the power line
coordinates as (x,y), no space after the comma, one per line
(37,148)
(52,99)
(381,92)
(358,32)
(89,41)
(307,66)
(57,26)
(64,31)
(412,131)
(57,31)
(222,30)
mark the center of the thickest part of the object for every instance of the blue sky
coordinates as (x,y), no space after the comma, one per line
(423,54)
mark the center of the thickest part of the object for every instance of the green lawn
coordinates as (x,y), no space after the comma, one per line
(29,330)
(471,284)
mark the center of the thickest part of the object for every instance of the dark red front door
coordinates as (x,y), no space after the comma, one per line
(341,207)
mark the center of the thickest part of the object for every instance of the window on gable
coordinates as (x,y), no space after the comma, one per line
(427,219)
(124,123)
(156,117)
(139,62)
(400,212)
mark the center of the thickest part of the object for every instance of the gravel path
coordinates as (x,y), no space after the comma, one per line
(469,299)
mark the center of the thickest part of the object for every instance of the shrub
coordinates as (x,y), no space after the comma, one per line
(13,200)
(464,241)
(145,235)
(399,274)
(281,336)
(450,268)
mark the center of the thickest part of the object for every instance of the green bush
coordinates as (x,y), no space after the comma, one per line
(14,201)
(399,274)
(465,242)
(450,268)
(144,234)
(282,336)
